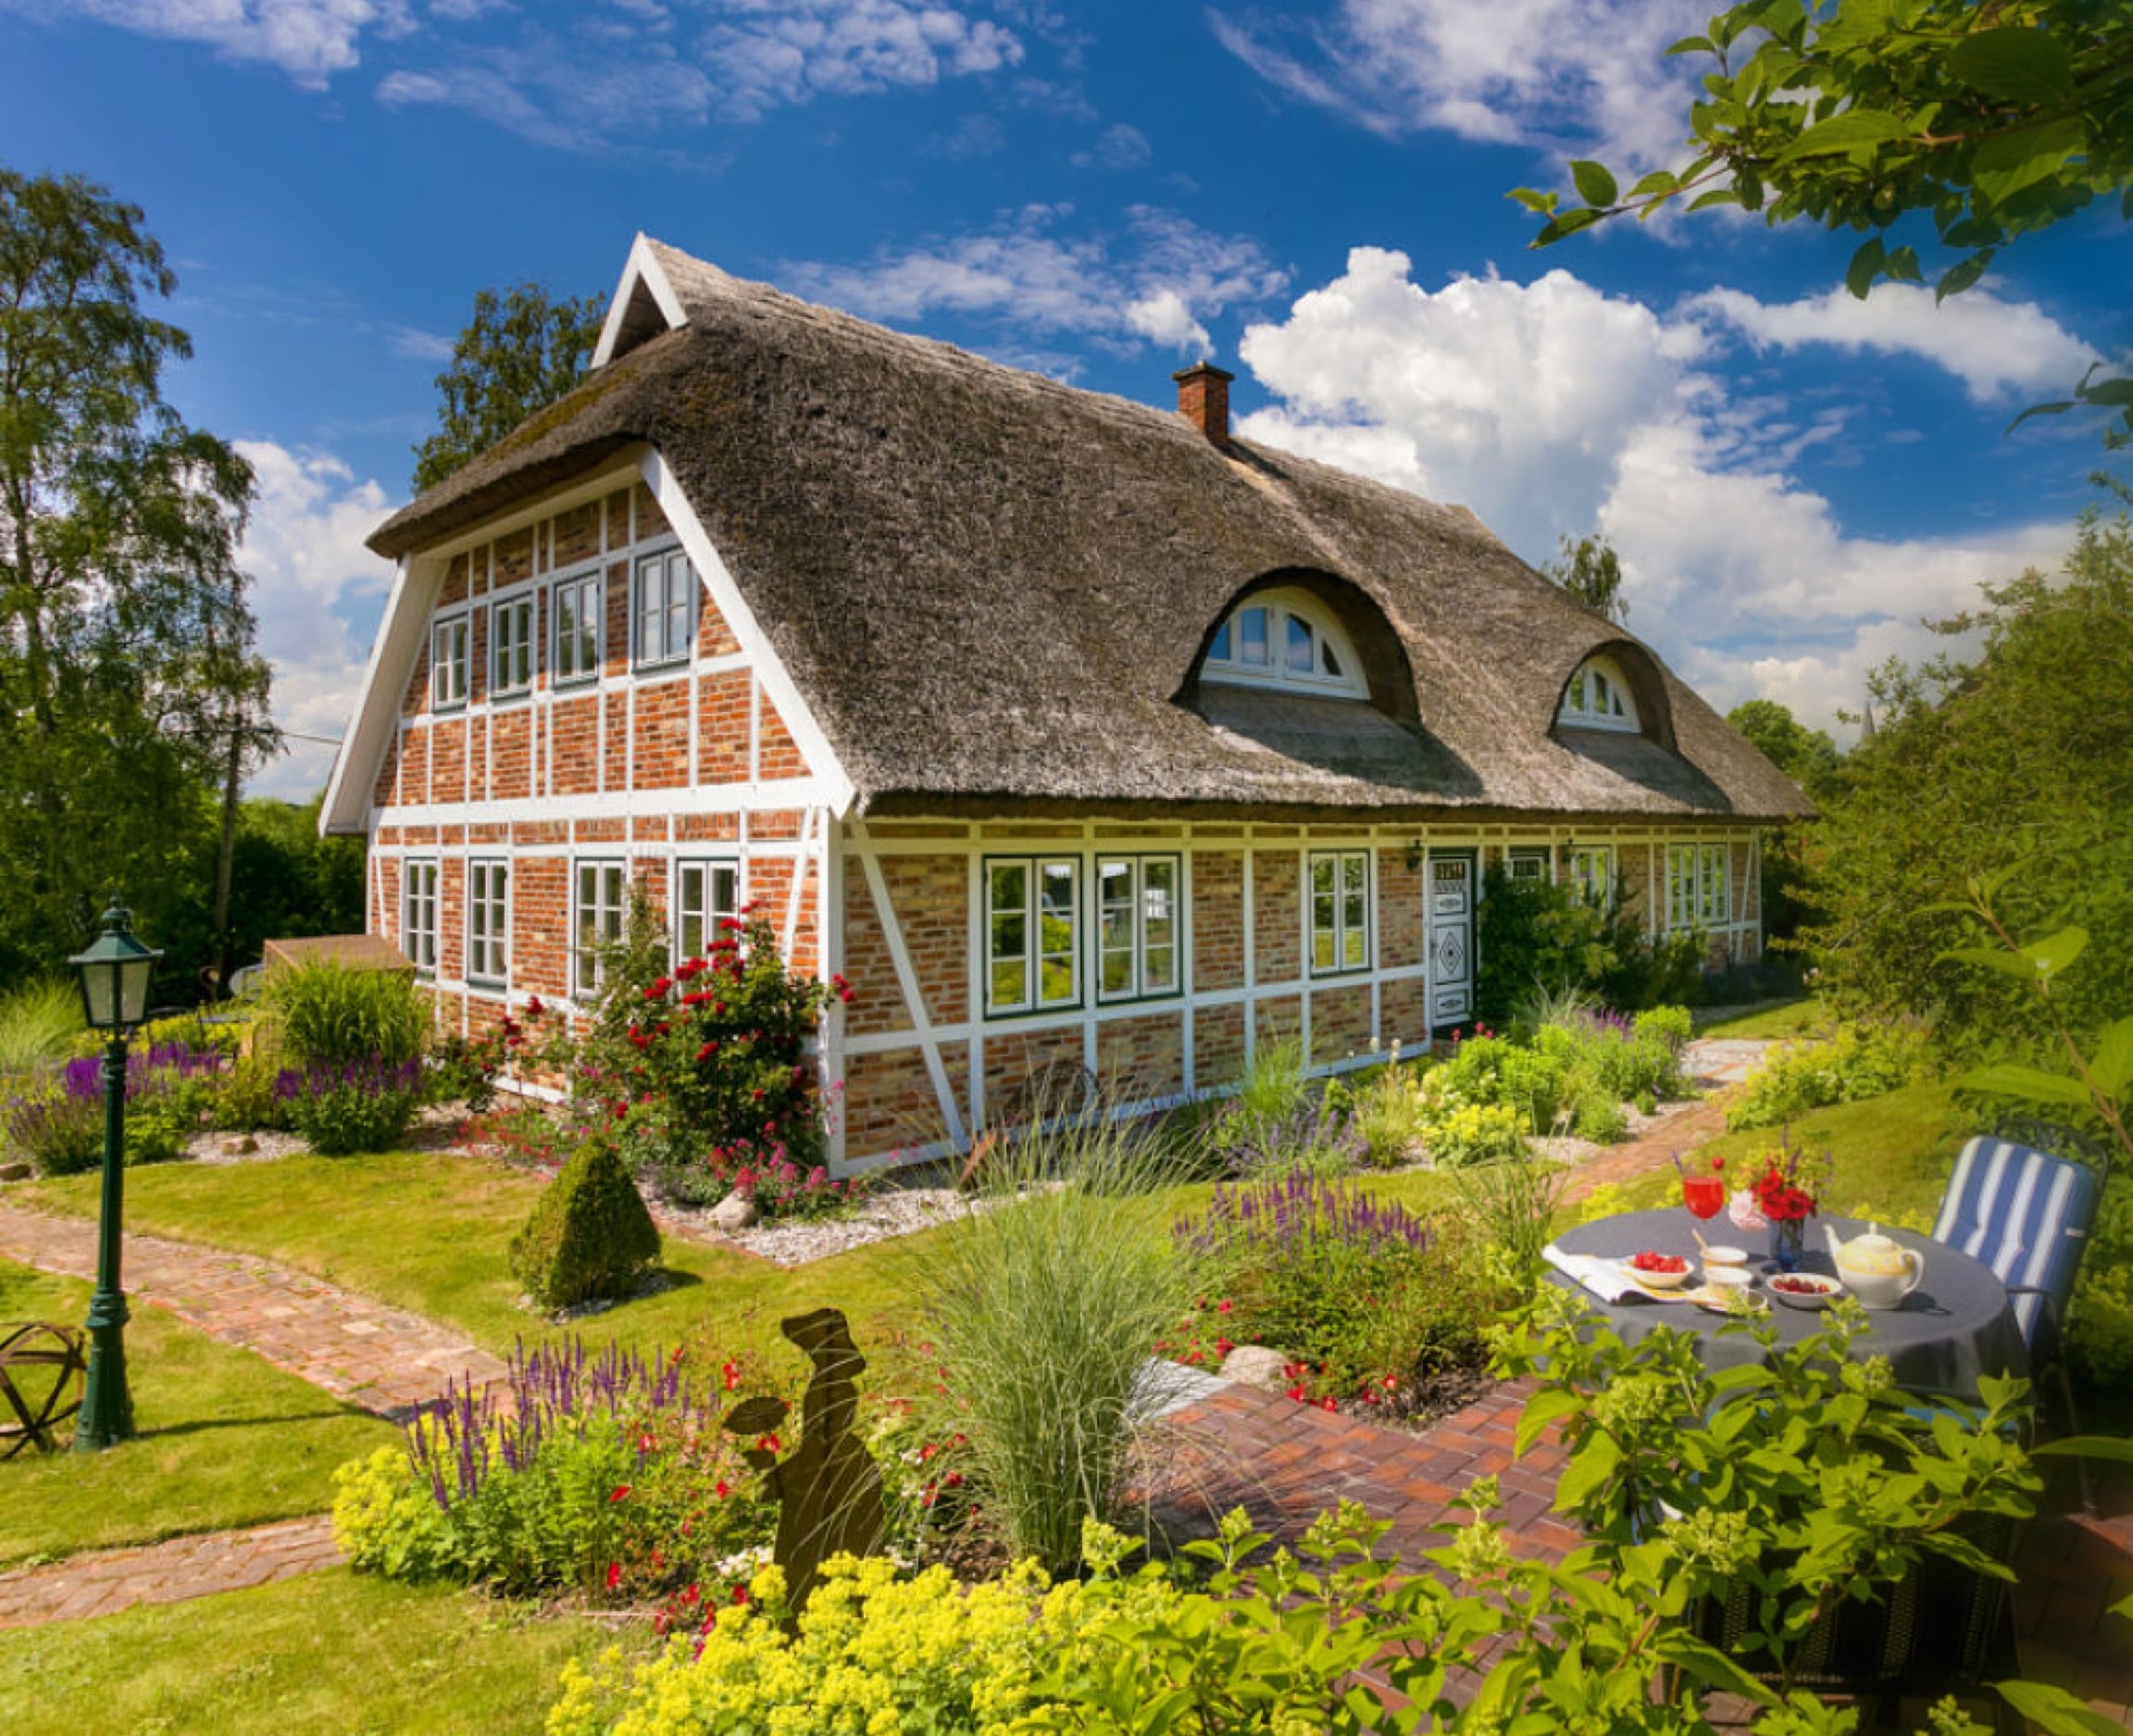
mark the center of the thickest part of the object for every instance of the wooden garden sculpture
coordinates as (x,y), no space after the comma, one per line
(828,1491)
(40,1370)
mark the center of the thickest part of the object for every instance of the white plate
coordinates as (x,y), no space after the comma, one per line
(1719,1255)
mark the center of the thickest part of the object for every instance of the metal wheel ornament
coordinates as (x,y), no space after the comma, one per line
(42,1369)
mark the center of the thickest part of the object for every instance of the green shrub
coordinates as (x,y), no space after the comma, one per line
(328,1014)
(1495,1070)
(589,1235)
(1671,1025)
(39,1022)
(1860,1061)
(2100,1332)
(1601,1120)
(352,1106)
(245,1099)
(1459,1133)
(1042,1303)
(1390,1116)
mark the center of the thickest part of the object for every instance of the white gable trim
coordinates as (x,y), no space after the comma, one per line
(371,729)
(770,671)
(642,270)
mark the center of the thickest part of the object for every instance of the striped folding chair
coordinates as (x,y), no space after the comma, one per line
(2027,1216)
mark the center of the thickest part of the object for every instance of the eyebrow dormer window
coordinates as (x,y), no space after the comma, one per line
(1284,639)
(1598,698)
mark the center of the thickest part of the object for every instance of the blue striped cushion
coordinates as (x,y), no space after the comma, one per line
(2025,1213)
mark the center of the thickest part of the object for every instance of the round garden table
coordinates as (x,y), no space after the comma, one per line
(1956,1326)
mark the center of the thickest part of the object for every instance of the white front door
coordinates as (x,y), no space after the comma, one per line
(1448,886)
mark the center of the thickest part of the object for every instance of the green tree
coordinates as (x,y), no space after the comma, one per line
(126,657)
(1807,756)
(522,350)
(1592,572)
(1980,122)
(2023,753)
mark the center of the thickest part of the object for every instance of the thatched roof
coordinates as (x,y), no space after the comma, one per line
(993,590)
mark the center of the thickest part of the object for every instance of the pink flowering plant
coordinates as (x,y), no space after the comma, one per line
(701,1070)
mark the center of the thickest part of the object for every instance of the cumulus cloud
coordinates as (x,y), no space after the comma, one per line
(1576,77)
(308,40)
(1552,407)
(1995,347)
(318,593)
(1156,281)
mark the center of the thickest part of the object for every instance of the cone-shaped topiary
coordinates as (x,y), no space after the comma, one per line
(590,1234)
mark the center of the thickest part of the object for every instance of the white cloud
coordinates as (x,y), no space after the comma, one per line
(308,40)
(1579,76)
(318,593)
(1554,408)
(1119,147)
(1157,281)
(1995,347)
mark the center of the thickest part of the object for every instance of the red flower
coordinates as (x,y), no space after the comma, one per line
(621,1493)
(534,1008)
(1327,1402)
(731,1373)
(1297,1393)
(1224,1305)
(769,1443)
(614,1574)
(721,1489)
(739,1593)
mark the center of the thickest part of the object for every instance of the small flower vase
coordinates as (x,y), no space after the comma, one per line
(1788,1242)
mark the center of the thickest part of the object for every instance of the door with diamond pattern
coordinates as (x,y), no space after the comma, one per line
(1448,888)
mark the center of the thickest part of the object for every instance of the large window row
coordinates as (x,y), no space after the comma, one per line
(663,611)
(1696,886)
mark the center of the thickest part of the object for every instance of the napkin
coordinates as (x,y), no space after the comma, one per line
(1603,1278)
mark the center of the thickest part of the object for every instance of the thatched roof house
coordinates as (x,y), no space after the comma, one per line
(963,594)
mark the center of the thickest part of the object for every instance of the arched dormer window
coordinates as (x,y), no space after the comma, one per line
(1285,639)
(1599,698)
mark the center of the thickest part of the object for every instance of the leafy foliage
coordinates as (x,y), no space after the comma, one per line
(1533,934)
(590,1234)
(522,350)
(346,1106)
(1592,572)
(328,1014)
(127,672)
(1857,1063)
(1990,120)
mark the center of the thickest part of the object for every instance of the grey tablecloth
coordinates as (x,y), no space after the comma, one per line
(1954,1327)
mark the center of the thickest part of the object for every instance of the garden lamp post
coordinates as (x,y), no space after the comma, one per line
(115,972)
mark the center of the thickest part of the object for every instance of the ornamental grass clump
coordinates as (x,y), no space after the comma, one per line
(38,1021)
(605,1473)
(1042,1299)
(328,1013)
(1365,1297)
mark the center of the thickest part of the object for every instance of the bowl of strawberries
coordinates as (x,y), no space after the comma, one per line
(1657,1271)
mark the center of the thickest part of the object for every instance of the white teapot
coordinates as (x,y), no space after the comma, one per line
(1877,1270)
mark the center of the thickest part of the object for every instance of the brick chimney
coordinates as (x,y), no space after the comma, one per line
(1204,400)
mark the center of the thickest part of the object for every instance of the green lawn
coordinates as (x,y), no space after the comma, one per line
(431,1234)
(226,1440)
(1803,1017)
(331,1652)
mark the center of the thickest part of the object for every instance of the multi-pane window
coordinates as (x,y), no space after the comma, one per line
(1597,698)
(1137,918)
(418,915)
(665,608)
(705,893)
(1339,911)
(1283,638)
(1526,864)
(576,606)
(1592,871)
(1697,894)
(597,902)
(511,648)
(489,922)
(1031,923)
(448,644)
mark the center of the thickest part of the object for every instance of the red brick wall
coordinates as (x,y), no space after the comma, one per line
(779,755)
(1402,1016)
(511,752)
(1276,916)
(1340,1023)
(574,746)
(1399,910)
(930,896)
(722,711)
(1217,894)
(888,1103)
(1019,1064)
(1279,1018)
(1141,1058)
(662,736)
(1217,1045)
(877,1002)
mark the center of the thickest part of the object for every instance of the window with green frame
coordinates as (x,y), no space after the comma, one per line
(1032,939)
(1339,911)
(1697,889)
(1137,919)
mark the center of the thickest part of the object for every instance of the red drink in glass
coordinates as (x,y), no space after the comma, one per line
(1704,1195)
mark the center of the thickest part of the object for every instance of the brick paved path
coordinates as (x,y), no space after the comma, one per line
(384,1359)
(1285,1463)
(112,1579)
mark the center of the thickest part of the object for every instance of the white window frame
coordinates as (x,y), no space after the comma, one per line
(1225,664)
(1344,926)
(678,591)
(1533,859)
(1596,697)
(525,613)
(489,922)
(421,877)
(1593,872)
(705,910)
(609,909)
(1697,885)
(561,669)
(1138,913)
(1033,955)
(448,671)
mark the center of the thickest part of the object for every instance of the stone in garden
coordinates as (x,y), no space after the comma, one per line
(239,1145)
(736,1211)
(1254,1364)
(13,1172)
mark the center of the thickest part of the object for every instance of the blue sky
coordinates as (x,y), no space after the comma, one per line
(1313,195)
